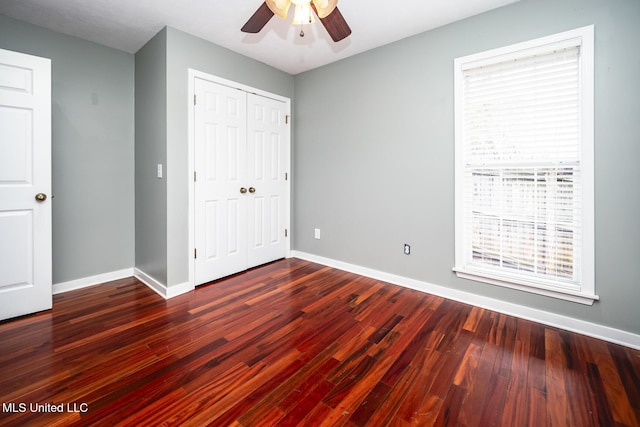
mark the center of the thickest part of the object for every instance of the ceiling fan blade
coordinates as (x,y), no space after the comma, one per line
(258,20)
(335,25)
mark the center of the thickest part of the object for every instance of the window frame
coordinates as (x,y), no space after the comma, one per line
(584,292)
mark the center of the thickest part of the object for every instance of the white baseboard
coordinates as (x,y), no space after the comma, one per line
(594,330)
(72,285)
(182,288)
(161,289)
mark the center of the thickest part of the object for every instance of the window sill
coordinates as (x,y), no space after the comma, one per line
(564,294)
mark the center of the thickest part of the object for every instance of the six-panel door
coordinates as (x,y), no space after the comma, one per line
(240,187)
(25,184)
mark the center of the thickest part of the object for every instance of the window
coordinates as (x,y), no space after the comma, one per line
(524,166)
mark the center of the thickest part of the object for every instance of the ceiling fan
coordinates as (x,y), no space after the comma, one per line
(326,10)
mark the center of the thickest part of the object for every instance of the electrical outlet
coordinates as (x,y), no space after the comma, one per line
(407,249)
(316,234)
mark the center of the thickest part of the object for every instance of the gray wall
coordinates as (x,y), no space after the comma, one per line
(151,150)
(162,136)
(92,149)
(378,169)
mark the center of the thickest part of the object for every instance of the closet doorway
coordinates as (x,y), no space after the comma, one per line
(241,178)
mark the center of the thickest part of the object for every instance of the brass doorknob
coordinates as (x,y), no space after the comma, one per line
(243,190)
(252,190)
(41,197)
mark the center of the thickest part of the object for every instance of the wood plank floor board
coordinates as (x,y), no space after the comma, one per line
(297,343)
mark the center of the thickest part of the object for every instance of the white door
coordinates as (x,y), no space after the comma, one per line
(267,151)
(220,186)
(25,184)
(241,153)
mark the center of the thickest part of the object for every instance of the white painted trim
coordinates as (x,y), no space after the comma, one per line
(152,283)
(72,285)
(535,288)
(594,330)
(159,288)
(182,288)
(191,132)
(192,75)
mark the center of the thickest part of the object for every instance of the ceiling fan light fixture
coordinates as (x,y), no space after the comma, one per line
(330,17)
(303,14)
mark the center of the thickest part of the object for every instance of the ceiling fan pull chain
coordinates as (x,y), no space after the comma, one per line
(302,24)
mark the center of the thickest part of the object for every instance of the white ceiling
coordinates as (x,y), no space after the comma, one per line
(128,24)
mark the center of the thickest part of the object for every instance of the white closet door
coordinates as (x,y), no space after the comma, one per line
(220,164)
(267,153)
(240,192)
(25,184)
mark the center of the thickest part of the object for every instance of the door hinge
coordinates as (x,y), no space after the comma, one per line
(286,233)
(286,119)
(194,99)
(195,253)
(286,176)
(194,176)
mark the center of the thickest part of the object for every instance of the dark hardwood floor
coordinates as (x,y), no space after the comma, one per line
(297,343)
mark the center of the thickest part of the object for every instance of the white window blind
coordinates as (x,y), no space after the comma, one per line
(520,167)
